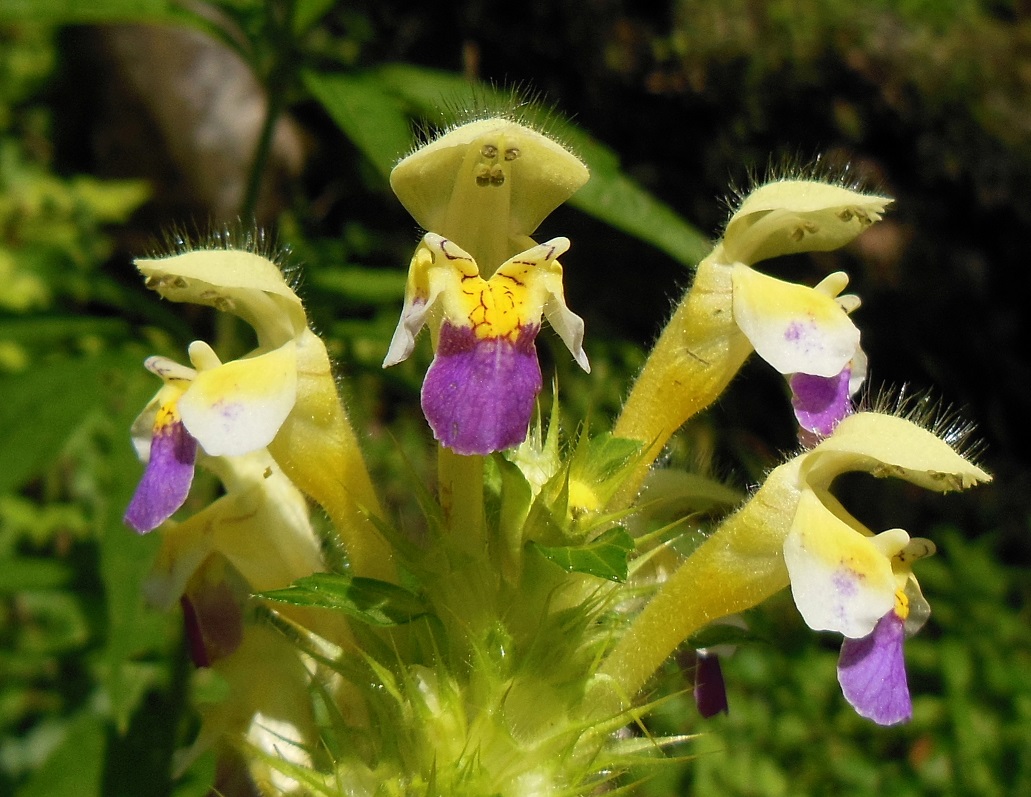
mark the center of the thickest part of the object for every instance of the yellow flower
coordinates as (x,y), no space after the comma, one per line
(479,392)
(733,309)
(480,281)
(281,396)
(794,531)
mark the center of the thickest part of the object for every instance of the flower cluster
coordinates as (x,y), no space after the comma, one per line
(499,648)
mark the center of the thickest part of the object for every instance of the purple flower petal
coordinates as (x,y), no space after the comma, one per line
(820,402)
(872,673)
(710,691)
(478,395)
(166,481)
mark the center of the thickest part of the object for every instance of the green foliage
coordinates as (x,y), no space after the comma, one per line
(377,603)
(604,557)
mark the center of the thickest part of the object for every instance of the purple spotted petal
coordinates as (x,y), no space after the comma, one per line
(479,393)
(166,481)
(710,692)
(872,673)
(820,402)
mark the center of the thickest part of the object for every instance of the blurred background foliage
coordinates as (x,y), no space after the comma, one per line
(124,123)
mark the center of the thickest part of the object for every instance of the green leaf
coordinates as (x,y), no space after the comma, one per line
(41,408)
(369,114)
(24,573)
(606,557)
(363,285)
(309,12)
(374,602)
(75,767)
(615,199)
(86,11)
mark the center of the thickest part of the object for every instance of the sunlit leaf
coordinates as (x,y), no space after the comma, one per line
(606,557)
(368,113)
(93,11)
(374,602)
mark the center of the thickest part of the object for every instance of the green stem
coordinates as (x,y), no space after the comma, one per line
(280,79)
(460,483)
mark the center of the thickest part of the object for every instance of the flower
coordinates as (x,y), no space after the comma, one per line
(478,394)
(228,408)
(846,578)
(282,396)
(843,577)
(732,309)
(480,281)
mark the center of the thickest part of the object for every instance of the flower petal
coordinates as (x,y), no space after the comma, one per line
(238,407)
(872,673)
(788,216)
(794,328)
(840,579)
(490,173)
(886,445)
(820,402)
(213,611)
(538,272)
(710,690)
(427,279)
(478,395)
(236,281)
(169,473)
